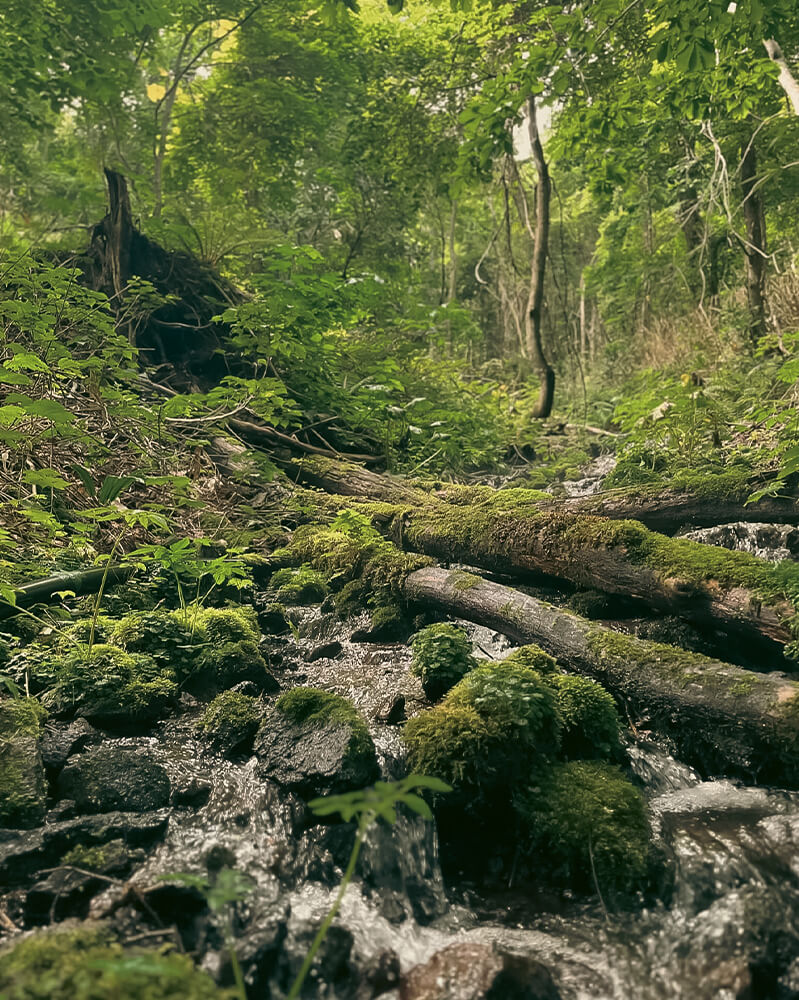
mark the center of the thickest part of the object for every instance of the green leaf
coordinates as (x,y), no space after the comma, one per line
(46,478)
(86,479)
(112,486)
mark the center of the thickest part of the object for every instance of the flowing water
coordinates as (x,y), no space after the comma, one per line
(728,929)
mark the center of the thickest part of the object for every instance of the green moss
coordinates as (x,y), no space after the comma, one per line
(163,635)
(371,570)
(517,704)
(21,717)
(219,667)
(22,784)
(493,729)
(451,742)
(85,964)
(239,624)
(303,704)
(97,858)
(465,581)
(534,658)
(230,720)
(442,654)
(591,724)
(80,631)
(112,686)
(299,586)
(586,809)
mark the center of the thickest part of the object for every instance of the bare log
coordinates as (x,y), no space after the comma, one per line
(722,717)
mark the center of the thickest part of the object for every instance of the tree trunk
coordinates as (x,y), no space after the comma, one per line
(786,78)
(722,717)
(755,249)
(535,350)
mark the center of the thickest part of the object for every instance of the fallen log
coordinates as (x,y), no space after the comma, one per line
(710,501)
(512,532)
(703,583)
(80,582)
(724,719)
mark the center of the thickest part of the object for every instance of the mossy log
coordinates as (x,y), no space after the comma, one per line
(700,501)
(723,719)
(703,583)
(80,582)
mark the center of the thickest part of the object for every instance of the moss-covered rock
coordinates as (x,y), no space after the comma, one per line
(534,658)
(304,585)
(498,725)
(22,781)
(442,654)
(114,856)
(590,722)
(111,687)
(586,817)
(315,743)
(110,778)
(234,624)
(451,742)
(230,721)
(85,964)
(220,667)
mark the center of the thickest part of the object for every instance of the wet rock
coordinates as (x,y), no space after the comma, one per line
(194,794)
(381,974)
(272,619)
(67,891)
(28,851)
(327,650)
(22,782)
(317,755)
(64,893)
(472,971)
(391,710)
(59,742)
(110,778)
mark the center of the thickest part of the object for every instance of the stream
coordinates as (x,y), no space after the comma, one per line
(729,930)
(726,925)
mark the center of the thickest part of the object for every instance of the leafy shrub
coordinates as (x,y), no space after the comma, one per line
(591,724)
(584,814)
(442,654)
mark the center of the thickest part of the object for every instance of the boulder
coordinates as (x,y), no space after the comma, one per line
(22,785)
(473,971)
(109,778)
(315,743)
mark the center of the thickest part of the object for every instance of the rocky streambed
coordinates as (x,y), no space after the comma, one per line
(138,826)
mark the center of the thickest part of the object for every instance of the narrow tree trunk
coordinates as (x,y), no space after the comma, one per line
(786,78)
(755,249)
(722,717)
(535,350)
